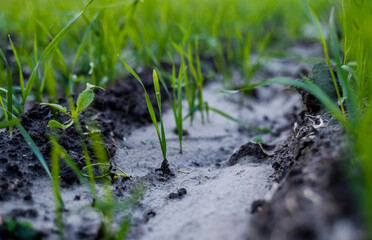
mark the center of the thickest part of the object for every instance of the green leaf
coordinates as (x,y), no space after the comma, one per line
(10,123)
(55,124)
(84,100)
(56,106)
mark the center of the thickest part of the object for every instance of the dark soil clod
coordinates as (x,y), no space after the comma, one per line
(173,196)
(182,192)
(164,169)
(251,152)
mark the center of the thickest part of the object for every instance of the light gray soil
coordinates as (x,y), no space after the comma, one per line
(218,199)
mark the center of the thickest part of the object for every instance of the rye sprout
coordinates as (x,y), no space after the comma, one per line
(176,98)
(161,133)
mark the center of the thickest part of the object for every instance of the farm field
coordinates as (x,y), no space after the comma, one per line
(223,119)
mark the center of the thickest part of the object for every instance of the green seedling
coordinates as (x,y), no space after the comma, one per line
(84,100)
(197,87)
(19,229)
(161,133)
(176,98)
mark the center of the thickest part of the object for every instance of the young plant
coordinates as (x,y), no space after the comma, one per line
(198,77)
(161,133)
(84,100)
(176,98)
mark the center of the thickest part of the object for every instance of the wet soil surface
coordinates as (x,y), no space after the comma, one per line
(229,183)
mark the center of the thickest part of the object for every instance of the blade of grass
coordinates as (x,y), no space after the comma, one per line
(10,123)
(34,149)
(9,94)
(51,46)
(307,86)
(37,153)
(21,80)
(264,130)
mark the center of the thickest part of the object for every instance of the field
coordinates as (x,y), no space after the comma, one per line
(212,119)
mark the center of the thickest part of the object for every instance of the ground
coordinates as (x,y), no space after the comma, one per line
(227,183)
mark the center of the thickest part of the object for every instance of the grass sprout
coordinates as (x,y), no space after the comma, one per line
(161,133)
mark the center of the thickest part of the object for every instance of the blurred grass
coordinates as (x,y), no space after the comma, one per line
(144,30)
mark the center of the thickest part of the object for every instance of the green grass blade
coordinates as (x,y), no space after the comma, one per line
(4,109)
(348,93)
(21,80)
(148,101)
(353,74)
(157,89)
(9,94)
(123,230)
(307,86)
(34,149)
(84,41)
(335,49)
(36,57)
(264,130)
(51,46)
(322,38)
(10,123)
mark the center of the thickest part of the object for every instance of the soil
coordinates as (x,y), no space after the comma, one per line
(229,183)
(311,196)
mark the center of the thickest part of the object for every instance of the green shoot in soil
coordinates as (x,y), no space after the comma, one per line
(161,134)
(176,98)
(84,100)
